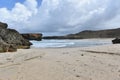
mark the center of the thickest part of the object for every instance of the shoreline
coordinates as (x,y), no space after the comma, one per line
(82,63)
(71,43)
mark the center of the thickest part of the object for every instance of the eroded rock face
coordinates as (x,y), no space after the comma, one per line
(11,36)
(32,36)
(5,47)
(11,40)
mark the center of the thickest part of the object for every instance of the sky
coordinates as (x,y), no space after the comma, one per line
(60,17)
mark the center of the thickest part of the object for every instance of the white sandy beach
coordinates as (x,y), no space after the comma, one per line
(83,63)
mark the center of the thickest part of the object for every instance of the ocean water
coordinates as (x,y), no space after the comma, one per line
(70,43)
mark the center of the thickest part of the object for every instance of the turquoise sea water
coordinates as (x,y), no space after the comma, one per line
(70,43)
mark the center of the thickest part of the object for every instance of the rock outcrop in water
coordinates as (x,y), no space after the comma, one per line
(11,40)
(116,41)
(33,36)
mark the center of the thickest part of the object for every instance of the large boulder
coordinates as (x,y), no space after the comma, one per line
(11,40)
(116,41)
(11,36)
(33,36)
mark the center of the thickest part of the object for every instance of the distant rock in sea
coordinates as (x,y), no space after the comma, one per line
(11,40)
(33,36)
(116,41)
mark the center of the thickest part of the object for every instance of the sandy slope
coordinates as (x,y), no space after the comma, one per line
(90,63)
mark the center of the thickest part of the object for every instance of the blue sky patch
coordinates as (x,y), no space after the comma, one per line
(9,4)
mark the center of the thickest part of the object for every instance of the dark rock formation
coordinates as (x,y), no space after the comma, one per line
(116,41)
(110,33)
(11,40)
(4,47)
(32,36)
(3,25)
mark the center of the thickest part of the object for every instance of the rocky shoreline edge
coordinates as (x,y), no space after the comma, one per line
(11,39)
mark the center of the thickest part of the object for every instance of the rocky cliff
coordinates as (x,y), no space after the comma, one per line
(109,33)
(11,40)
(33,36)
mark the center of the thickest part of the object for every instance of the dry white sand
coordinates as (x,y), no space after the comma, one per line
(90,63)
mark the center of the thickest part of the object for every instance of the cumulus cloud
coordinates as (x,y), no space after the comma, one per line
(62,16)
(19,14)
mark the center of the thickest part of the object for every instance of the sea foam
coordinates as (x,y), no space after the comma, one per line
(70,43)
